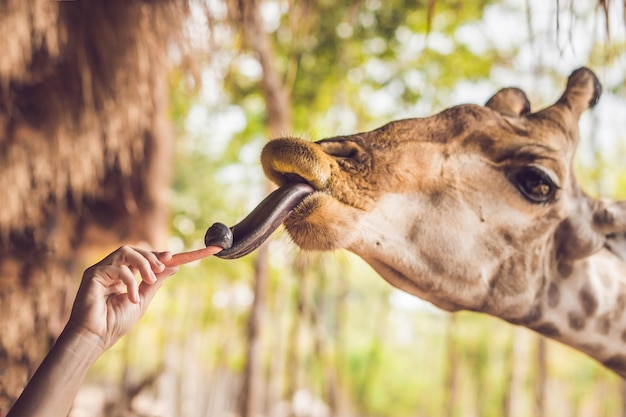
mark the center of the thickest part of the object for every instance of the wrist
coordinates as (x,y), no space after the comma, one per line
(53,387)
(81,341)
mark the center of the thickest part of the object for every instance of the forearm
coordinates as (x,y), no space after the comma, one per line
(52,389)
(109,302)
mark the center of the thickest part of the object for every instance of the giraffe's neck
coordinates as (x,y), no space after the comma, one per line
(583,305)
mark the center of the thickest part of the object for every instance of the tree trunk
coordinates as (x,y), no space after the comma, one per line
(252,388)
(294,377)
(622,395)
(541,377)
(279,120)
(325,348)
(277,368)
(515,373)
(452,368)
(371,365)
(340,406)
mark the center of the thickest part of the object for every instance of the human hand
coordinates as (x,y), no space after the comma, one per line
(110,300)
(108,303)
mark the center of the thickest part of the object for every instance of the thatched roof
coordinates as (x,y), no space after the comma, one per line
(82,102)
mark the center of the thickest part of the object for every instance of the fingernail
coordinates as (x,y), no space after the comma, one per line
(164,255)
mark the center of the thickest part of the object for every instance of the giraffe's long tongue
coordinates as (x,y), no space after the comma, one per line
(253,230)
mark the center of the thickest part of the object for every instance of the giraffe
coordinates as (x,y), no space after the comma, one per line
(474,208)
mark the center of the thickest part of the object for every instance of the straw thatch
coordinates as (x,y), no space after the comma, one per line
(80,87)
(84,153)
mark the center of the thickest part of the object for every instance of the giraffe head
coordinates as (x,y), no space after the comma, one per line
(469,208)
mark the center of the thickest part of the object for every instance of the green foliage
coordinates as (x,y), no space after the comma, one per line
(339,57)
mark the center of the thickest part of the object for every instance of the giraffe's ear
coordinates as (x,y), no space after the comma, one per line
(509,102)
(610,220)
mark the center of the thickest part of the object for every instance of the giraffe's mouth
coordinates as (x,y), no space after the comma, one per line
(255,228)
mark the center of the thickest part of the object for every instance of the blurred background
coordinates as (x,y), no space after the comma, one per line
(142,122)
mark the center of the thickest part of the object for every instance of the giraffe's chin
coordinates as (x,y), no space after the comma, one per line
(322,223)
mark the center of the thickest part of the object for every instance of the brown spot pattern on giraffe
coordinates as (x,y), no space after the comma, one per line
(508,237)
(576,321)
(484,142)
(554,295)
(436,197)
(547,329)
(535,262)
(621,304)
(534,314)
(509,278)
(604,324)
(436,265)
(617,363)
(588,301)
(565,268)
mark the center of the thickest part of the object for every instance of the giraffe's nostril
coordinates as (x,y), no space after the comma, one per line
(344,149)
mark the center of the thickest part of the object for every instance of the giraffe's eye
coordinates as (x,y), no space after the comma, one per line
(534,184)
